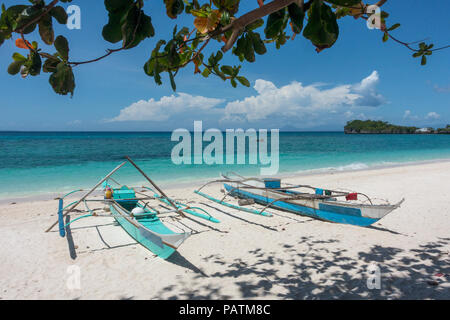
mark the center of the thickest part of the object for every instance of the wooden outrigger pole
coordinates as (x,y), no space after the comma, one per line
(142,224)
(156,187)
(87,195)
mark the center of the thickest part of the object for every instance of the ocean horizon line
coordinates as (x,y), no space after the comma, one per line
(149,131)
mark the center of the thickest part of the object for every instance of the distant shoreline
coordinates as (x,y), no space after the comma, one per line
(414,133)
(383,127)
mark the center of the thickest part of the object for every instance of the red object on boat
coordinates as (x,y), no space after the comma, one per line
(352,196)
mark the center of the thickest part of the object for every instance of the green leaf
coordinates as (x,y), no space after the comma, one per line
(14,67)
(63,80)
(258,44)
(46,29)
(206,73)
(322,29)
(174,7)
(136,27)
(60,14)
(228,70)
(255,25)
(112,32)
(275,23)
(243,81)
(117,5)
(18,57)
(233,83)
(62,46)
(249,51)
(50,65)
(34,64)
(172,81)
(297,16)
(118,9)
(225,18)
(2,38)
(395,26)
(385,37)
(424,60)
(156,73)
(28,15)
(344,3)
(173,56)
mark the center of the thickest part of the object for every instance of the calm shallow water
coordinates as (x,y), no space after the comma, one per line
(32,163)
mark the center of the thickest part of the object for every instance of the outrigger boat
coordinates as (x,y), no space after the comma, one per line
(329,205)
(134,214)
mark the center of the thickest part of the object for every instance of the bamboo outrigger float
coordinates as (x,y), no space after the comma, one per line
(132,210)
(329,205)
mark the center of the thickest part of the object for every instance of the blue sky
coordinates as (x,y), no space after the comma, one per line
(291,88)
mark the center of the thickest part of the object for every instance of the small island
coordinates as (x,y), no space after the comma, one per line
(383,127)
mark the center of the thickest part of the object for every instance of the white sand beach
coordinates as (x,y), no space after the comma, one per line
(245,256)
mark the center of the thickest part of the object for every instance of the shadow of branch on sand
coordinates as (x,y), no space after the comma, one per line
(311,269)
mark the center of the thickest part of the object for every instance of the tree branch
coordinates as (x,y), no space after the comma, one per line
(239,24)
(38,18)
(35,20)
(111,51)
(380,3)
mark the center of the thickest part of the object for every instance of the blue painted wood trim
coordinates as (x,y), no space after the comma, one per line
(322,213)
(342,210)
(62,230)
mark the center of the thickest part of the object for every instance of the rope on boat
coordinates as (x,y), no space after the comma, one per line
(334,193)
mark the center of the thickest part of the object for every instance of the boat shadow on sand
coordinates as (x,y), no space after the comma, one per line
(291,217)
(175,258)
(311,269)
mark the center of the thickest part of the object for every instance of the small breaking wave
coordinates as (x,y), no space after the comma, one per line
(348,167)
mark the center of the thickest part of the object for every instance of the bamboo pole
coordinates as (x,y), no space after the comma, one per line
(156,187)
(87,194)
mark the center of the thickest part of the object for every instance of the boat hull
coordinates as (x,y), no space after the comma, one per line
(332,211)
(149,231)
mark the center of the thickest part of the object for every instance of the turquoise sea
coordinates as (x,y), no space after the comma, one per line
(48,162)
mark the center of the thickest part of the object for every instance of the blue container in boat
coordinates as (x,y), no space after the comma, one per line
(272,183)
(123,195)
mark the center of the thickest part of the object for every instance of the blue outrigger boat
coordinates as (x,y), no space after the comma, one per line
(328,205)
(135,215)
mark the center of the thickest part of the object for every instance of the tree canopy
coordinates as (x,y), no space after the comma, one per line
(246,35)
(370,126)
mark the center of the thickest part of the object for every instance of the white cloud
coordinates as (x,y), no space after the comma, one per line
(409,116)
(293,105)
(445,89)
(432,116)
(295,101)
(166,107)
(348,114)
(74,123)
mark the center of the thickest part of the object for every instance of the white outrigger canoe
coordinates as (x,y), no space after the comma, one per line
(328,205)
